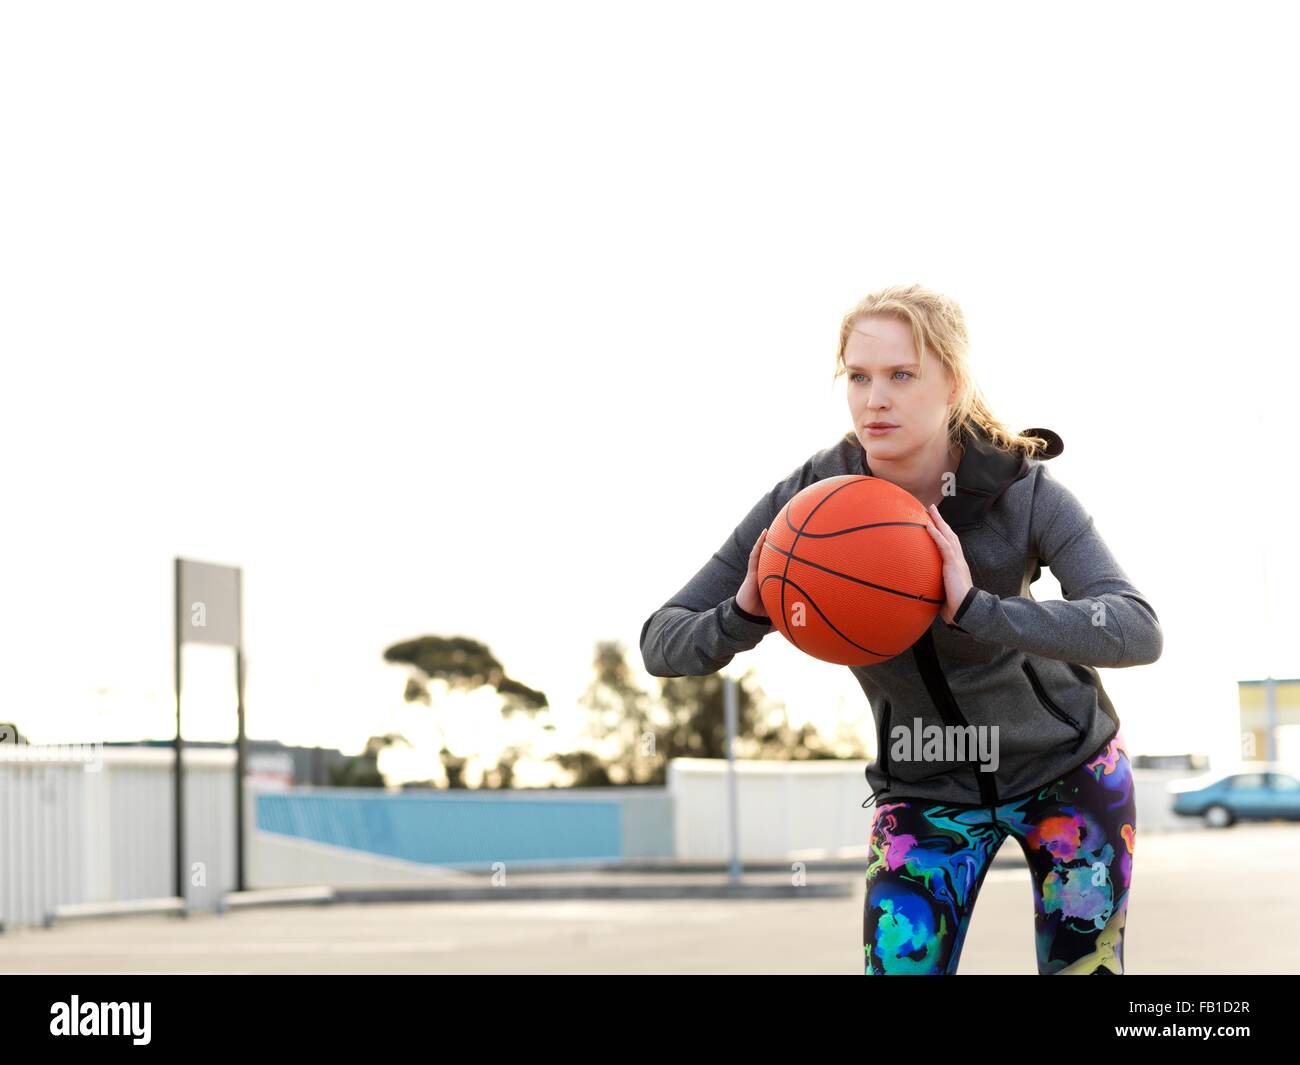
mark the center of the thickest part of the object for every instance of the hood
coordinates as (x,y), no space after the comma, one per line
(984,473)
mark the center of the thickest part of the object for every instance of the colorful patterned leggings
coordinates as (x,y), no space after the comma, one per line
(928,861)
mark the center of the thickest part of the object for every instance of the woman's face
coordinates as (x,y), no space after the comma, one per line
(886,383)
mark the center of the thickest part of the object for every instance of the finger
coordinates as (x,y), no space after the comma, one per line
(946,545)
(939,514)
(944,527)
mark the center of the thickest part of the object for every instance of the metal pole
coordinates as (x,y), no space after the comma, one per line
(729,702)
(241,744)
(1270,728)
(241,764)
(1270,698)
(179,773)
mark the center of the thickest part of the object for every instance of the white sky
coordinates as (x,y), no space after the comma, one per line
(494,320)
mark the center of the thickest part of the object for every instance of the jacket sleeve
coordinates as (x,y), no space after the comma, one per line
(701,628)
(1102,621)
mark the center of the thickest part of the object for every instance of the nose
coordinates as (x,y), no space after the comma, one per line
(876,397)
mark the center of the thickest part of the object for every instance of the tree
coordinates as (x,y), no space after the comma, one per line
(463,665)
(619,717)
(588,768)
(362,771)
(635,734)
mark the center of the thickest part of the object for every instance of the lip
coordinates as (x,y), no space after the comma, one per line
(881,430)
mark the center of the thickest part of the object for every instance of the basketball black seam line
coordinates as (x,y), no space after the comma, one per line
(813,603)
(851,528)
(845,576)
(794,543)
(840,532)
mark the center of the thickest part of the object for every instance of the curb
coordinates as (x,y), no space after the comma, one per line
(594,891)
(74,911)
(326,895)
(294,896)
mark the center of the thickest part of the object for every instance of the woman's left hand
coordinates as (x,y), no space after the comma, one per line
(956,574)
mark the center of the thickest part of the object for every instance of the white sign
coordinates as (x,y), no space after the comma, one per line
(209,597)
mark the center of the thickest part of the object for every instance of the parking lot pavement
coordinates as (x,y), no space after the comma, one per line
(1201,902)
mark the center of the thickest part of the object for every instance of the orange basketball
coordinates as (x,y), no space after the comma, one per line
(849,573)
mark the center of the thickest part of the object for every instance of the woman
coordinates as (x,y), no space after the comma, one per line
(994,723)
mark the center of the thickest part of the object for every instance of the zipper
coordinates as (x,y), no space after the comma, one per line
(1043,698)
(936,684)
(882,754)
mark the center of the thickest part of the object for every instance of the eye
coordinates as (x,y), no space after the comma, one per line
(905,373)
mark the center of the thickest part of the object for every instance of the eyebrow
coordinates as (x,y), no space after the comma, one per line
(900,366)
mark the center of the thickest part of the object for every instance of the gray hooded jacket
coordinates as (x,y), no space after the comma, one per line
(1010,661)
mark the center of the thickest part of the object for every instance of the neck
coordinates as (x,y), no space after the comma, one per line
(922,474)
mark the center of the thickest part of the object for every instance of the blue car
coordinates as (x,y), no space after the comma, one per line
(1254,792)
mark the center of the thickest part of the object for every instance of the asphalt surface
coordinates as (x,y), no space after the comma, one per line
(1201,902)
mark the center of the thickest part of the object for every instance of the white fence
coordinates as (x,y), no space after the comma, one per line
(95,824)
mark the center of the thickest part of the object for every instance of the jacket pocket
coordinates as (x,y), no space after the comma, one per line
(1046,700)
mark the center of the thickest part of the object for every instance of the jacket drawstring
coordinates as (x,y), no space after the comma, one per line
(875,796)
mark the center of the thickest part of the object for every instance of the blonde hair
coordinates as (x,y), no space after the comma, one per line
(939,327)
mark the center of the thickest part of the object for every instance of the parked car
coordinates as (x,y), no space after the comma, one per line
(1256,791)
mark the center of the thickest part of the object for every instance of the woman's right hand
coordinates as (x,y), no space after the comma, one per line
(747,598)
